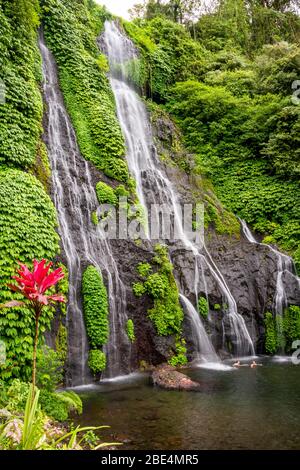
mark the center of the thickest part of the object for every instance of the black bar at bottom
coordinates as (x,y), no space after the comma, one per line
(133,459)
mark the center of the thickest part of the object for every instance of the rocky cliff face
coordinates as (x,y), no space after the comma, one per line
(250,271)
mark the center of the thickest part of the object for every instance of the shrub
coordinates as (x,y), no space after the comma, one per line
(20,117)
(166,314)
(270,334)
(53,405)
(71,400)
(138,289)
(203,307)
(49,369)
(157,285)
(130,330)
(95,306)
(105,194)
(143,269)
(180,358)
(97,361)
(291,325)
(121,191)
(61,342)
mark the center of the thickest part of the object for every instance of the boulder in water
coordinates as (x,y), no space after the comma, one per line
(166,376)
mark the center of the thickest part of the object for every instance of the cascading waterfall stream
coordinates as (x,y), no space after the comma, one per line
(75,200)
(284,263)
(204,350)
(153,187)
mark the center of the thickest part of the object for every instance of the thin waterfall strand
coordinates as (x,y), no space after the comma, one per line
(284,264)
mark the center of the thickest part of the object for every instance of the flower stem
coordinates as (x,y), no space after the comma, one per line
(37,317)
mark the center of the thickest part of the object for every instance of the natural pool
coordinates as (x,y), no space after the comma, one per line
(240,409)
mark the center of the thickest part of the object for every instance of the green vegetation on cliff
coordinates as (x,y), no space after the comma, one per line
(167,314)
(28,223)
(130,330)
(21,113)
(282,331)
(27,215)
(227,80)
(71,29)
(95,306)
(96,311)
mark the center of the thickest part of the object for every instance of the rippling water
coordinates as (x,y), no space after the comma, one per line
(238,409)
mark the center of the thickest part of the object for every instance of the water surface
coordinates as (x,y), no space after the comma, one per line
(239,409)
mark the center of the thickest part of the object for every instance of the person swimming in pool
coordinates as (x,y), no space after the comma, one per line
(237,364)
(254,364)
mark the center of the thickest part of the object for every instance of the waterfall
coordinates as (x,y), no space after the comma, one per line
(75,199)
(204,350)
(284,263)
(153,187)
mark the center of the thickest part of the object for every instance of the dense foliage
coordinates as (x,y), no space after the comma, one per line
(281,332)
(96,361)
(166,314)
(27,215)
(203,307)
(28,222)
(270,335)
(95,306)
(228,82)
(130,330)
(105,194)
(71,30)
(21,113)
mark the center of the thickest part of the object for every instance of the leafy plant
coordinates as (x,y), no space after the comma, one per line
(58,405)
(31,434)
(203,307)
(291,325)
(97,361)
(95,306)
(144,269)
(49,369)
(53,405)
(179,359)
(271,337)
(94,218)
(166,314)
(130,330)
(138,289)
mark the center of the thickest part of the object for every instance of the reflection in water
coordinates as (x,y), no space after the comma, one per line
(238,409)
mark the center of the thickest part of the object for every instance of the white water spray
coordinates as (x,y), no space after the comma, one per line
(153,187)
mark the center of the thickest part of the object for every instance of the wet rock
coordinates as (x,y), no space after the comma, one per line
(166,376)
